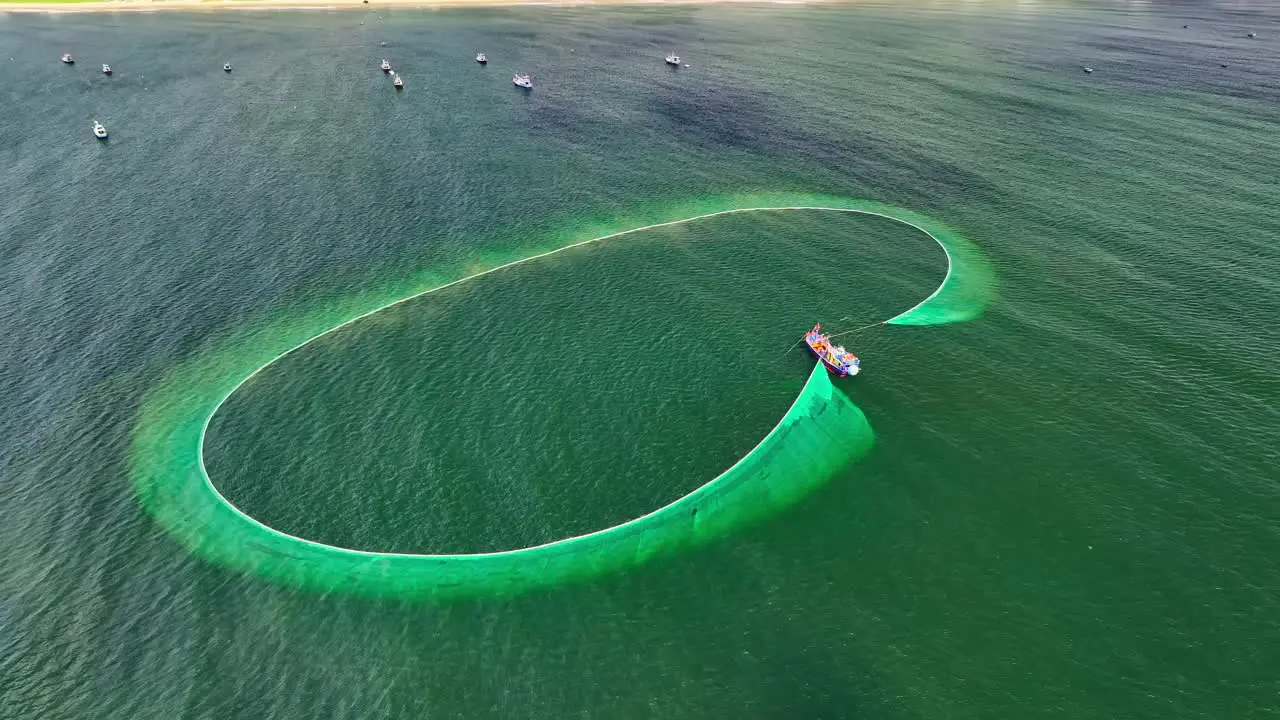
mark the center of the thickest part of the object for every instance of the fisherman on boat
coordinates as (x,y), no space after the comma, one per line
(834,357)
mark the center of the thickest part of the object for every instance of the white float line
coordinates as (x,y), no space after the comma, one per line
(365,553)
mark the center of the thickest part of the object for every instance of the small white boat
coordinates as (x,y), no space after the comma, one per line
(1087,69)
(106,69)
(66,58)
(386,66)
(480,58)
(522,81)
(398,83)
(226,66)
(99,131)
(673,59)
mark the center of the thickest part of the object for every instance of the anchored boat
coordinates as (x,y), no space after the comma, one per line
(522,81)
(839,361)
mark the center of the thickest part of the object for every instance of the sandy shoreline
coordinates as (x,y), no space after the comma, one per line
(154,5)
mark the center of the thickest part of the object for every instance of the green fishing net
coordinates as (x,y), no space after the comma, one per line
(822,434)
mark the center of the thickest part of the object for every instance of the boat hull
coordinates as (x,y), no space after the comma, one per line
(831,367)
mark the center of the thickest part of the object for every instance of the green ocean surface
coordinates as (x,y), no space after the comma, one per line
(1073,504)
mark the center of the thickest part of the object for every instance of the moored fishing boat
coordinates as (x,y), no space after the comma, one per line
(834,357)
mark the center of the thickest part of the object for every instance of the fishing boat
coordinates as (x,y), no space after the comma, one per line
(106,69)
(673,59)
(398,83)
(480,58)
(99,131)
(522,81)
(835,358)
(66,58)
(386,66)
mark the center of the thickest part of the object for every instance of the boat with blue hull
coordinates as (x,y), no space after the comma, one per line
(835,358)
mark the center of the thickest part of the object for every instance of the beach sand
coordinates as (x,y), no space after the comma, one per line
(153,5)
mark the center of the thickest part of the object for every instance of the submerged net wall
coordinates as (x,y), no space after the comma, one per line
(821,433)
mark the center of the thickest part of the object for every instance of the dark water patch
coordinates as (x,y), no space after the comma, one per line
(724,116)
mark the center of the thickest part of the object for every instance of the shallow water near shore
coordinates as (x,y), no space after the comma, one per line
(1071,507)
